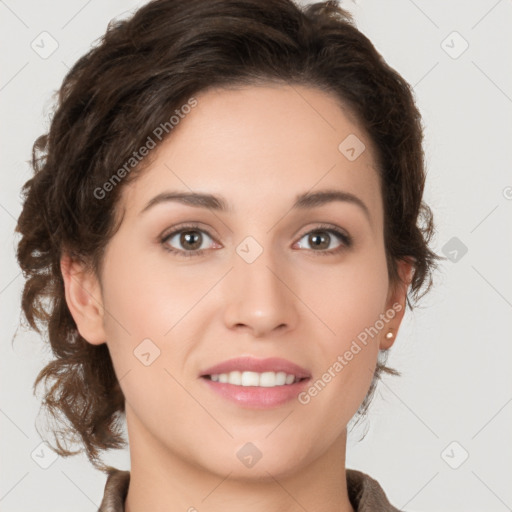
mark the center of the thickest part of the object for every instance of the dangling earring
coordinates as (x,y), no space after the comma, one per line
(389,335)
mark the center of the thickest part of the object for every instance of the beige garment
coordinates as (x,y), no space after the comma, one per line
(365,493)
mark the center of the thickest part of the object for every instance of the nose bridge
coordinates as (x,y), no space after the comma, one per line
(258,297)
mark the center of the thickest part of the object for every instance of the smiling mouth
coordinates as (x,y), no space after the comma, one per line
(255,379)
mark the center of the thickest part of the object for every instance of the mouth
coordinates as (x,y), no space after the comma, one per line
(256,383)
(247,378)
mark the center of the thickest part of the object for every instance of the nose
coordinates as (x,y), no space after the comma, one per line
(259,297)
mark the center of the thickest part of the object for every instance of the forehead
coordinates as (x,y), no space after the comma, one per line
(256,145)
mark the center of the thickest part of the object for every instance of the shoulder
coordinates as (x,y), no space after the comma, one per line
(366,494)
(115,492)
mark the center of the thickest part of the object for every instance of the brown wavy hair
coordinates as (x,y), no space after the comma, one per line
(111,100)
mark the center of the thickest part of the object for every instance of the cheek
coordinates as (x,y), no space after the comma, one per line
(349,296)
(141,298)
(350,300)
(141,308)
(147,306)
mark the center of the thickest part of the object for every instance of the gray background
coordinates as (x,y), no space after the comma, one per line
(454,397)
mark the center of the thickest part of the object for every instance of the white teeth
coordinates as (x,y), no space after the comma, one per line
(268,379)
(290,379)
(235,378)
(248,379)
(265,379)
(280,378)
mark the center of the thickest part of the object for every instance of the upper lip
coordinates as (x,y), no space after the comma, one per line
(252,364)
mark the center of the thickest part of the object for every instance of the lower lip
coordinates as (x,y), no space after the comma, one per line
(257,397)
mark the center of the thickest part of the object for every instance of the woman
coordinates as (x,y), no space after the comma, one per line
(230,227)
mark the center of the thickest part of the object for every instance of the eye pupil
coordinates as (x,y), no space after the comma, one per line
(319,238)
(187,238)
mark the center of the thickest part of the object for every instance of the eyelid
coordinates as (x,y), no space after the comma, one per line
(166,234)
(330,228)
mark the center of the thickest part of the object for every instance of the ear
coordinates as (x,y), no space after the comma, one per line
(396,301)
(84,299)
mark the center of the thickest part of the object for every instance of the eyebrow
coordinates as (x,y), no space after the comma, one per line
(307,200)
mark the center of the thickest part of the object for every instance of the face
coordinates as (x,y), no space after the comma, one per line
(299,292)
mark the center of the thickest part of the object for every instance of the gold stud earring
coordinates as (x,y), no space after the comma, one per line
(389,335)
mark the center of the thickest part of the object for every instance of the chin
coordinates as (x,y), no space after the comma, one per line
(260,460)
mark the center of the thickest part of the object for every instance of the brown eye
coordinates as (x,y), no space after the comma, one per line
(320,241)
(191,240)
(186,241)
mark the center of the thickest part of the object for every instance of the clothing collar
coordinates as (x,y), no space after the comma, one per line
(365,493)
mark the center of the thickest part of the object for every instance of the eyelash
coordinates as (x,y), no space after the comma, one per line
(344,238)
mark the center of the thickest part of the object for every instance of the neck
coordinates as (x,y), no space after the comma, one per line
(162,480)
